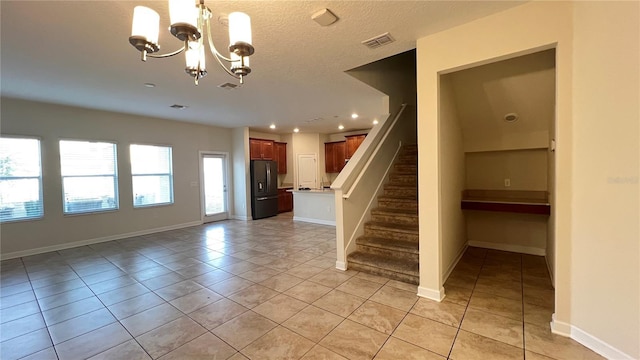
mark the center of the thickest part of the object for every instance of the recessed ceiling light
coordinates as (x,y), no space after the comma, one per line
(149,85)
(272,126)
(511,117)
(375,121)
(296,130)
(354,116)
(340,127)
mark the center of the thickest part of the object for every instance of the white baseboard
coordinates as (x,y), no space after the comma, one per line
(431,294)
(509,247)
(341,265)
(73,244)
(241,217)
(315,221)
(455,262)
(588,340)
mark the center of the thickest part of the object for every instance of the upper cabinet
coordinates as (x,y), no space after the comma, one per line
(353,143)
(260,149)
(334,156)
(280,155)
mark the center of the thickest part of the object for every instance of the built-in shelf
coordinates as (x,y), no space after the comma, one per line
(514,201)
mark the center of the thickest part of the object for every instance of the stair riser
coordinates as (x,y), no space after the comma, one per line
(405,168)
(403,181)
(411,279)
(396,219)
(400,255)
(401,192)
(390,204)
(390,234)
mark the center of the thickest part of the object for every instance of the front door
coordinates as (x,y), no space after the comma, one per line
(213,169)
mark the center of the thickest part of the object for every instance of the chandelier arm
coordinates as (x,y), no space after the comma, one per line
(212,47)
(183,48)
(224,67)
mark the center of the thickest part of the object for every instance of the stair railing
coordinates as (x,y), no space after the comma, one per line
(361,181)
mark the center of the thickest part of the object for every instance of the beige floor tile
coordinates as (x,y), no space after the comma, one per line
(26,344)
(21,326)
(330,278)
(231,285)
(308,291)
(446,313)
(339,303)
(206,346)
(457,295)
(469,346)
(313,323)
(496,327)
(16,299)
(373,278)
(539,297)
(259,274)
(238,356)
(170,336)
(413,329)
(461,279)
(540,340)
(95,342)
(278,344)
(217,313)
(195,270)
(530,355)
(179,289)
(395,349)
(129,350)
(71,310)
(135,305)
(537,282)
(239,267)
(304,271)
(64,298)
(122,294)
(280,308)
(212,277)
(394,297)
(354,341)
(321,353)
(283,264)
(359,287)
(18,311)
(82,324)
(112,284)
(46,354)
(253,296)
(281,282)
(403,286)
(195,300)
(537,315)
(496,305)
(144,321)
(244,329)
(505,288)
(377,316)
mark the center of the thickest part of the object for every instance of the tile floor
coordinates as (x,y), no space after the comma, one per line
(266,289)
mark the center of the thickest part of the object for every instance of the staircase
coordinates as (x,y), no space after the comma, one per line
(389,246)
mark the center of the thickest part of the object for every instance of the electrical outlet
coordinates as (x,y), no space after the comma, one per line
(507,182)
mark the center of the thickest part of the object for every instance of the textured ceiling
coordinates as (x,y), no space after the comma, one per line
(77,53)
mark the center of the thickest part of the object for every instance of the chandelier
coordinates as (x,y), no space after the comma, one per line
(191,23)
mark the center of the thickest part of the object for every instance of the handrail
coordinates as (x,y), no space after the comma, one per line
(342,181)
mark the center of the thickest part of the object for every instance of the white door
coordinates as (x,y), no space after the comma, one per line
(213,180)
(307,170)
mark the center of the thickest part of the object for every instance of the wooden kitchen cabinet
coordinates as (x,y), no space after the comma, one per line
(285,200)
(260,149)
(353,143)
(280,155)
(334,156)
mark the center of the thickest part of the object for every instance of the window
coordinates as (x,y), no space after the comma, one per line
(89,178)
(152,175)
(20,179)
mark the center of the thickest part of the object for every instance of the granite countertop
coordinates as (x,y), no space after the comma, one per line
(315,191)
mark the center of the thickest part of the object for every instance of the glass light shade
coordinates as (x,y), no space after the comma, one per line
(195,55)
(183,11)
(239,28)
(146,24)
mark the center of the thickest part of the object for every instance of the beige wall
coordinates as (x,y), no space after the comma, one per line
(605,254)
(53,122)
(306,144)
(526,169)
(596,192)
(241,176)
(452,175)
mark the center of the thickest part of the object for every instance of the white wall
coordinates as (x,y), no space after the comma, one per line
(241,175)
(54,122)
(596,192)
(452,175)
(605,276)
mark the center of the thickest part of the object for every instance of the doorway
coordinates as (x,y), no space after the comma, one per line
(213,186)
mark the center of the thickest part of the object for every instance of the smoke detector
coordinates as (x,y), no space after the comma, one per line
(380,40)
(324,17)
(511,117)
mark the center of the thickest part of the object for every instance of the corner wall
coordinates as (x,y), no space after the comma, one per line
(241,175)
(51,123)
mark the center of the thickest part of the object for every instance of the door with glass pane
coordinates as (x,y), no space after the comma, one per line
(214,186)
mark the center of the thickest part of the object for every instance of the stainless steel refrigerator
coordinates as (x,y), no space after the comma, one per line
(264,188)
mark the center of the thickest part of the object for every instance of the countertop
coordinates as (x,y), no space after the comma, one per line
(313,191)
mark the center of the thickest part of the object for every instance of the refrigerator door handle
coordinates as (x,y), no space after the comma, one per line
(268,177)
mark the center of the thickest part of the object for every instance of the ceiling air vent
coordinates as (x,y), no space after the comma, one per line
(228,86)
(378,41)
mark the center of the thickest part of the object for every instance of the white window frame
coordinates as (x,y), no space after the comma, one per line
(39,177)
(114,176)
(169,175)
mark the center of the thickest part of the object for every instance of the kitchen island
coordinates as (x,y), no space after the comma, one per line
(315,206)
